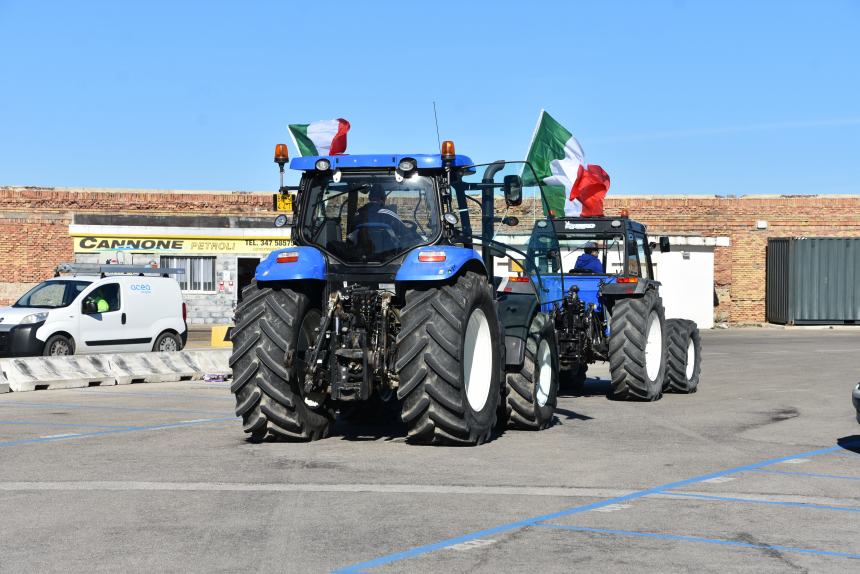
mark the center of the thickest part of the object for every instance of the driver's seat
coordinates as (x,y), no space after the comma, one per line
(376,239)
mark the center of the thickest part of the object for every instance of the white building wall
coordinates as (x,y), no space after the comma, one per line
(687,283)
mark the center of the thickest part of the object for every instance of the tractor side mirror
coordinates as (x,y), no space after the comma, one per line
(511,220)
(664,244)
(513,186)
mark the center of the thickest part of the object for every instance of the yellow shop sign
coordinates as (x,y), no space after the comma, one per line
(199,245)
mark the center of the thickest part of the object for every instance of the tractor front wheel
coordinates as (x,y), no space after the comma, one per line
(573,380)
(450,362)
(531,392)
(685,356)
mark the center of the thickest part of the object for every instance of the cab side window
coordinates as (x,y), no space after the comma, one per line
(633,267)
(103,300)
(643,257)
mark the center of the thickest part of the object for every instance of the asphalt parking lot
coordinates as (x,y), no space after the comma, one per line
(757,472)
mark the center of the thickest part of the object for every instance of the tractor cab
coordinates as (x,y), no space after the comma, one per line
(609,255)
(387,218)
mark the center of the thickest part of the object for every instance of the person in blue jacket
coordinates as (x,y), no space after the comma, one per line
(589,261)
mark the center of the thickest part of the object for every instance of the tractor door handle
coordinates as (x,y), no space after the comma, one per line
(123,319)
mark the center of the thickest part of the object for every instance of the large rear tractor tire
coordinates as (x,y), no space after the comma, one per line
(271,321)
(637,348)
(531,393)
(450,362)
(685,356)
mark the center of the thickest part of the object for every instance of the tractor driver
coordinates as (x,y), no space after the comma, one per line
(589,261)
(375,211)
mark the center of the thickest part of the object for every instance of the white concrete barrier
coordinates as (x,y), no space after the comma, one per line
(153,367)
(35,373)
(214,362)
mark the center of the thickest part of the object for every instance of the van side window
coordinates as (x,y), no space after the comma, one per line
(106,298)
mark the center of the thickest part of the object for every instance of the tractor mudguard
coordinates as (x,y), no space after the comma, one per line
(515,312)
(447,262)
(300,263)
(625,289)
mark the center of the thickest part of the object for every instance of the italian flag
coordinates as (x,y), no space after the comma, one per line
(325,137)
(559,162)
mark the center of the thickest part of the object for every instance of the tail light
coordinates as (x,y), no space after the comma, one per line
(628,280)
(519,279)
(431,256)
(287,257)
(184,313)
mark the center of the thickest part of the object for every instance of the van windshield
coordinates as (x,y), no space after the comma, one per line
(52,294)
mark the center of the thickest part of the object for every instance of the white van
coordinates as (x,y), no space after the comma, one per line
(96,313)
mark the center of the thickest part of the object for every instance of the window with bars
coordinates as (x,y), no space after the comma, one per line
(199,273)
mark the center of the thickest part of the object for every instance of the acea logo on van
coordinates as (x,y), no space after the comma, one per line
(144,288)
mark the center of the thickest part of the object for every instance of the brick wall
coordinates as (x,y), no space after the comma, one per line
(34,229)
(740,269)
(34,222)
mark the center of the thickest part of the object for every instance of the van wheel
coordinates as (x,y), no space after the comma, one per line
(59,346)
(167,342)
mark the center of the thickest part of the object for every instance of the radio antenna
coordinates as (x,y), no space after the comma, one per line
(436,117)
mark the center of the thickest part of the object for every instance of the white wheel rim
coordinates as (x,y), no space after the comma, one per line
(544,364)
(653,347)
(478,360)
(168,344)
(691,359)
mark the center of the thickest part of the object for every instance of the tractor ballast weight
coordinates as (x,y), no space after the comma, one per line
(387,298)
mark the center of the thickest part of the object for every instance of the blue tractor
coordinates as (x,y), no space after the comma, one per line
(388,296)
(605,305)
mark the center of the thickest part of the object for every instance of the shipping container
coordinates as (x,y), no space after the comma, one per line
(813,281)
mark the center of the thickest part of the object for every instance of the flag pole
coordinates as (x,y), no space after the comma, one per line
(534,133)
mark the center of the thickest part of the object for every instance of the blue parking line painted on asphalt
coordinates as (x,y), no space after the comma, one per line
(73,425)
(15,404)
(700,539)
(119,394)
(807,474)
(760,501)
(112,431)
(427,548)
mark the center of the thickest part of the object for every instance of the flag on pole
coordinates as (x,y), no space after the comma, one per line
(588,191)
(558,161)
(325,137)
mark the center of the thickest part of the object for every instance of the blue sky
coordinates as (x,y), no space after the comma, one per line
(669,97)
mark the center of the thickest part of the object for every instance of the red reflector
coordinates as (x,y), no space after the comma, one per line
(628,280)
(184,313)
(431,256)
(287,257)
(518,279)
